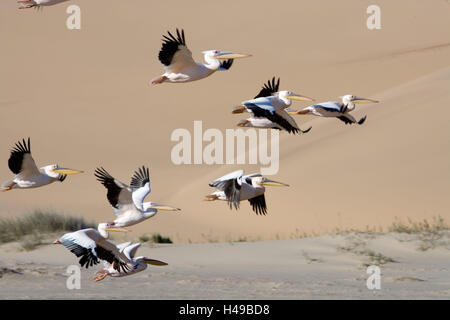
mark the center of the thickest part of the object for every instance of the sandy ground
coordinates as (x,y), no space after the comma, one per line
(327,267)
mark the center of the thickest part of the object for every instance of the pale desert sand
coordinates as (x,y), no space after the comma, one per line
(84,99)
(327,267)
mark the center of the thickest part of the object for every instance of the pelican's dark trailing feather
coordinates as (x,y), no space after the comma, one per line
(90,258)
(140,178)
(231,188)
(17,154)
(259,205)
(107,255)
(170,46)
(362,120)
(269,88)
(259,112)
(109,182)
(345,119)
(225,65)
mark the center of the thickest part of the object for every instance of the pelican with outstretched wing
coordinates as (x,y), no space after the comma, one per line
(26,4)
(268,109)
(91,246)
(180,66)
(335,109)
(128,201)
(135,265)
(27,174)
(235,187)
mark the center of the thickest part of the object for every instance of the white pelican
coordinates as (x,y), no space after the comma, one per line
(180,66)
(135,265)
(128,201)
(92,245)
(38,3)
(268,109)
(27,175)
(336,109)
(234,188)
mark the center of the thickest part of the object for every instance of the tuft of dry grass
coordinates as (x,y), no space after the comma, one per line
(430,234)
(437,224)
(155,238)
(29,229)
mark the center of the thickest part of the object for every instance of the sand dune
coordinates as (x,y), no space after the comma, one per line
(83,97)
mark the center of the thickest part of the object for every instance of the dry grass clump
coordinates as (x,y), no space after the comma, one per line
(30,228)
(155,238)
(437,224)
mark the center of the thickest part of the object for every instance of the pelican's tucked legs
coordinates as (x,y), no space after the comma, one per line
(159,80)
(100,275)
(239,109)
(211,197)
(8,186)
(29,3)
(303,111)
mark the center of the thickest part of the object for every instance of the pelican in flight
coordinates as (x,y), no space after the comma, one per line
(128,201)
(180,66)
(235,187)
(25,4)
(92,246)
(268,109)
(336,109)
(27,175)
(135,265)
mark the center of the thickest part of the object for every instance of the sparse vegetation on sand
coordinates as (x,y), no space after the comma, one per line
(155,238)
(437,224)
(357,244)
(30,229)
(430,234)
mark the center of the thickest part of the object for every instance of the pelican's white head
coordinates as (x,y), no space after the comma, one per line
(261,181)
(213,57)
(58,173)
(288,96)
(350,98)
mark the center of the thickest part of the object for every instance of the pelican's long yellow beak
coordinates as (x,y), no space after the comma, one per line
(272,183)
(117,229)
(364,100)
(154,262)
(67,171)
(231,55)
(299,97)
(163,207)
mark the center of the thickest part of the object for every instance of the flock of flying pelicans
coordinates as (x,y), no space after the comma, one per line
(269,109)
